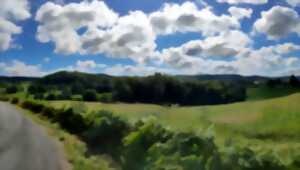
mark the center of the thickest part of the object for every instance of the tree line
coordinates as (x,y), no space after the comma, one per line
(158,88)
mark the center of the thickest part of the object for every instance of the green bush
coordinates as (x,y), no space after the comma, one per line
(138,142)
(90,95)
(15,100)
(11,89)
(72,122)
(106,132)
(33,106)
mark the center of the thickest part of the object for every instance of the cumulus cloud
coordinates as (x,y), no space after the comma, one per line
(240,13)
(227,44)
(19,68)
(256,2)
(10,12)
(188,18)
(132,36)
(293,3)
(135,70)
(270,60)
(87,66)
(93,28)
(278,22)
(62,23)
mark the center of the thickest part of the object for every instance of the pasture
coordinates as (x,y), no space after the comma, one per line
(267,125)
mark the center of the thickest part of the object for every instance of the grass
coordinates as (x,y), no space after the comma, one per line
(269,125)
(74,148)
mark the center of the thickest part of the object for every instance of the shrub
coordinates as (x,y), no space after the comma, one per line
(15,100)
(90,95)
(11,89)
(49,112)
(73,122)
(137,144)
(106,132)
(184,151)
(51,96)
(33,106)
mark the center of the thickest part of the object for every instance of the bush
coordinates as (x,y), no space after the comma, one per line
(106,132)
(11,89)
(15,100)
(138,142)
(33,106)
(90,95)
(51,96)
(72,122)
(50,113)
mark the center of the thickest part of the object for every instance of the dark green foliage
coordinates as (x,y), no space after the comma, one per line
(90,95)
(184,151)
(33,106)
(73,122)
(274,83)
(38,96)
(138,142)
(36,88)
(294,81)
(106,132)
(65,94)
(166,90)
(246,159)
(51,96)
(15,100)
(11,89)
(159,89)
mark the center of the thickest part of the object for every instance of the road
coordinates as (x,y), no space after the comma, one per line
(25,145)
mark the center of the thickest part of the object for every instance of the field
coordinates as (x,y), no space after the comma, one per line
(271,125)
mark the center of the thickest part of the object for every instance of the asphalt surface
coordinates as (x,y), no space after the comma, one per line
(25,145)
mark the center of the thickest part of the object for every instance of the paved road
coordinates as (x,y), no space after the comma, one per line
(25,145)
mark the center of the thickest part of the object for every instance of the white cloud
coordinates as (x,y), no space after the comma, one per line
(227,44)
(19,68)
(278,22)
(188,18)
(240,13)
(293,3)
(61,24)
(88,66)
(132,37)
(10,12)
(270,60)
(135,70)
(256,2)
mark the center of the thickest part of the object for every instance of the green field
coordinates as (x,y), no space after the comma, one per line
(270,125)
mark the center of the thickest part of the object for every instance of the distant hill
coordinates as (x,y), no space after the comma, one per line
(7,79)
(223,77)
(67,77)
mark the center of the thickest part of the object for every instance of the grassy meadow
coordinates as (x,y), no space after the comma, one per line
(270,125)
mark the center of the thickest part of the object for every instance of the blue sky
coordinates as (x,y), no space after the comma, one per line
(140,37)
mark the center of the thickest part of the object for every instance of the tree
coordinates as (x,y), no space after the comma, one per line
(90,95)
(11,89)
(294,81)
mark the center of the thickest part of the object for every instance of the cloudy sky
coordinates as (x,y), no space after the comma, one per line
(141,37)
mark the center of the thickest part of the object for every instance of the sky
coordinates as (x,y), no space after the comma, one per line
(142,37)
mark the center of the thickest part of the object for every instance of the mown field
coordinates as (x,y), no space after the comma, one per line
(271,125)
